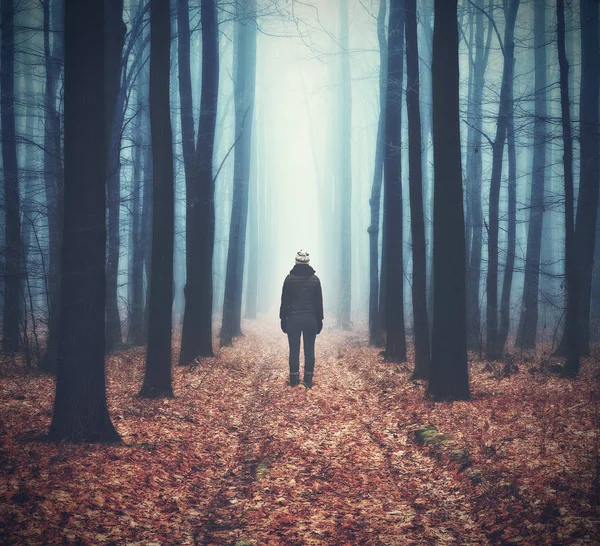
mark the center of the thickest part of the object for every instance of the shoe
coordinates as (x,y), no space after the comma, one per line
(307,381)
(294,379)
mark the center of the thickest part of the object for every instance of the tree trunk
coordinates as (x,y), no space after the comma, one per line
(345,180)
(474,182)
(157,379)
(527,332)
(12,221)
(375,323)
(415,181)
(80,410)
(589,173)
(449,377)
(115,99)
(395,348)
(196,338)
(253,241)
(504,325)
(497,159)
(244,78)
(570,332)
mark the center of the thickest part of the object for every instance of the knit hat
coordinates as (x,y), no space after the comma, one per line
(302,257)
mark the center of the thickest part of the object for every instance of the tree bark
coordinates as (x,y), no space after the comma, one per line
(395,348)
(570,331)
(80,410)
(415,181)
(196,340)
(497,160)
(345,180)
(375,322)
(449,377)
(527,332)
(157,379)
(244,79)
(12,221)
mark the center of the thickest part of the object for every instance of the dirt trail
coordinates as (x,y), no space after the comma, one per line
(315,466)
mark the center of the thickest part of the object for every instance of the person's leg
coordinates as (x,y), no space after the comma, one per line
(294,342)
(309,335)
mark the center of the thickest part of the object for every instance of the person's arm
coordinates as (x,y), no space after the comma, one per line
(284,305)
(319,306)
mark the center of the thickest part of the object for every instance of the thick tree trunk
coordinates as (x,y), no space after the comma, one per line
(345,181)
(157,379)
(497,160)
(415,180)
(527,332)
(80,410)
(244,78)
(12,221)
(570,332)
(395,348)
(253,242)
(375,323)
(449,378)
(589,173)
(196,338)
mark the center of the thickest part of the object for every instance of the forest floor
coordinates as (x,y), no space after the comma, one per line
(237,457)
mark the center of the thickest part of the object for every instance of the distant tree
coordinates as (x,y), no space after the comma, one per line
(449,377)
(494,199)
(196,338)
(80,410)
(53,171)
(395,347)
(157,379)
(244,89)
(344,193)
(526,334)
(570,331)
(473,183)
(375,322)
(12,223)
(415,181)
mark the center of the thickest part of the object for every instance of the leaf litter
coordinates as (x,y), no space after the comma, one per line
(239,457)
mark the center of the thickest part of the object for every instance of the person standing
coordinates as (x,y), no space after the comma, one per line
(301,315)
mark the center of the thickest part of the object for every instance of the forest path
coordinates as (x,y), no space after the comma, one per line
(324,465)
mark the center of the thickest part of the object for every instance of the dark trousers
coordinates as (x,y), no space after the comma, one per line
(305,327)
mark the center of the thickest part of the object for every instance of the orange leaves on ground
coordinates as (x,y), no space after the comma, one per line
(237,457)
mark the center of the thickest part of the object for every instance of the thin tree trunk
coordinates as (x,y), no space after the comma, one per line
(157,379)
(80,410)
(570,334)
(449,377)
(504,325)
(375,323)
(415,180)
(345,181)
(244,79)
(395,348)
(497,159)
(115,102)
(527,332)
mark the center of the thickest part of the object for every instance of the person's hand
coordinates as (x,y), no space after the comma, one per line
(319,326)
(284,326)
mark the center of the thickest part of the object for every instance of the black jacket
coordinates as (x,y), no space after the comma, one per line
(301,294)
